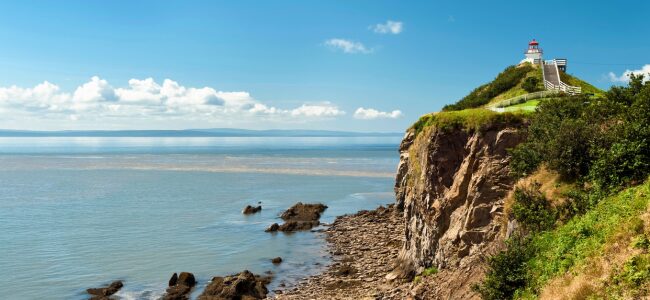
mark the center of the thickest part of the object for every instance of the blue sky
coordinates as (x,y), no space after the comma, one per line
(337,65)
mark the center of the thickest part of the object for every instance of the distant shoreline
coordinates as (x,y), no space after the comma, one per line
(218,132)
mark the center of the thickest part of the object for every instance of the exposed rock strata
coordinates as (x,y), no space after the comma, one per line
(451,186)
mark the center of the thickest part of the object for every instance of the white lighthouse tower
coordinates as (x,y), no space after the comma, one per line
(534,53)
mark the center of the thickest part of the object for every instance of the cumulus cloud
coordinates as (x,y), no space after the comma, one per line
(348,46)
(390,27)
(371,114)
(146,99)
(625,77)
(317,110)
(96,90)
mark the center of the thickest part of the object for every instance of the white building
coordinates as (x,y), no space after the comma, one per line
(534,53)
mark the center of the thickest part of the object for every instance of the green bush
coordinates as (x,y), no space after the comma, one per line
(531,84)
(524,160)
(506,271)
(532,209)
(506,80)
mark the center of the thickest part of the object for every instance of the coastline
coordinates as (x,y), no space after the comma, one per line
(363,247)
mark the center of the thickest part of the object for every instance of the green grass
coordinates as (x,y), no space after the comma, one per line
(528,106)
(518,90)
(427,272)
(472,119)
(506,80)
(568,246)
(586,87)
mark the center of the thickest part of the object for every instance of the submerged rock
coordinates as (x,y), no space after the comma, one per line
(105,292)
(248,210)
(299,217)
(244,285)
(180,286)
(277,260)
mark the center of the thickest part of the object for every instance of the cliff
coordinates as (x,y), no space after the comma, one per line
(451,185)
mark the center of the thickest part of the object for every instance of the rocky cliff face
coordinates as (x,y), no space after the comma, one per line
(451,186)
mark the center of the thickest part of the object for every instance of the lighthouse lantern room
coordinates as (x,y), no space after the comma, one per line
(534,52)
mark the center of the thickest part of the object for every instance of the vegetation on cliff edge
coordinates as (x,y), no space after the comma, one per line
(592,241)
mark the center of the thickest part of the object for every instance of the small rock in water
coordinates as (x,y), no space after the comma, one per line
(277,260)
(251,209)
(299,217)
(103,293)
(273,227)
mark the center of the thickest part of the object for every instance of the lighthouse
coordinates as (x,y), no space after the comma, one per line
(534,53)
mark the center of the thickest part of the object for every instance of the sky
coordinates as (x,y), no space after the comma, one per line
(334,65)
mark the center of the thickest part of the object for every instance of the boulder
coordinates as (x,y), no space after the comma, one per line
(299,217)
(303,212)
(180,286)
(277,260)
(104,292)
(244,285)
(248,210)
(173,280)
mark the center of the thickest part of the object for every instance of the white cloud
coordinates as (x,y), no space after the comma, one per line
(97,102)
(348,46)
(317,110)
(371,114)
(390,27)
(625,77)
(96,90)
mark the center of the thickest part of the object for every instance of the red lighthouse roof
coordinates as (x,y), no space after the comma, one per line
(533,42)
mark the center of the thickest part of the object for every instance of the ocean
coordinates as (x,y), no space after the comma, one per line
(80,212)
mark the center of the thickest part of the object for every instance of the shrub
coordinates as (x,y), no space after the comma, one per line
(532,209)
(531,84)
(506,271)
(524,160)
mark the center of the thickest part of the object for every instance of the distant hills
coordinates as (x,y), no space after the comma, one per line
(213,132)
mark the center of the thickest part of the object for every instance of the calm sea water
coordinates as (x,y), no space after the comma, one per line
(81,212)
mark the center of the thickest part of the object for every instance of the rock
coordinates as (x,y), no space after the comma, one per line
(104,292)
(173,280)
(299,217)
(187,279)
(244,285)
(346,270)
(180,286)
(451,186)
(273,227)
(303,212)
(277,260)
(251,209)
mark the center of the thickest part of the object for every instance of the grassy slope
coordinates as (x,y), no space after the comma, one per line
(572,261)
(518,90)
(586,87)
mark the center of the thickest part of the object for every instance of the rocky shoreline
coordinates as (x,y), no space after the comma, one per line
(364,247)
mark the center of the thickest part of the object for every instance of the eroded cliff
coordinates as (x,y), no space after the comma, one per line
(451,185)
